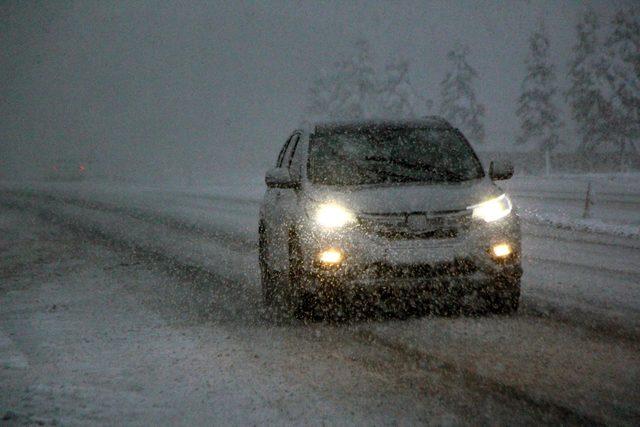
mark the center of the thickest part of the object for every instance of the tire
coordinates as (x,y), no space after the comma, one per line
(267,281)
(297,298)
(506,300)
(296,271)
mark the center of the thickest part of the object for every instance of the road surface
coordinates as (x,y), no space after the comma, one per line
(142,306)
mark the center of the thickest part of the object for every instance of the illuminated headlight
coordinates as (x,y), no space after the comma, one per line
(492,210)
(332,215)
(330,256)
(501,250)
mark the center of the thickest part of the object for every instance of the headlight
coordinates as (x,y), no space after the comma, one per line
(492,210)
(332,215)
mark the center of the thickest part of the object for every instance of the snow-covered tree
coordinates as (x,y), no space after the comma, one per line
(620,69)
(458,102)
(322,94)
(536,105)
(354,89)
(357,89)
(350,91)
(588,106)
(398,97)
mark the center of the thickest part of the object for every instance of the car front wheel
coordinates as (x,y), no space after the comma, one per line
(505,299)
(267,279)
(299,299)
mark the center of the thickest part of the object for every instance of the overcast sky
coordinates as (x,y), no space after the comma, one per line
(156,88)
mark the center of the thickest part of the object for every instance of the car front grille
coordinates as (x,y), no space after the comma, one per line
(417,225)
(455,268)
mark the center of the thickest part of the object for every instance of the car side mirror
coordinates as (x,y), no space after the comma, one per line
(500,169)
(280,178)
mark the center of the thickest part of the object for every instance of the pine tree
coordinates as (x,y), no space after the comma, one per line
(322,95)
(361,86)
(353,90)
(621,70)
(536,105)
(585,97)
(458,103)
(398,98)
(349,92)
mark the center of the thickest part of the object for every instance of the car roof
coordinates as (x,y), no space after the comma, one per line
(431,122)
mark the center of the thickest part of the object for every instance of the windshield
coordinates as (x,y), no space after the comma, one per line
(391,156)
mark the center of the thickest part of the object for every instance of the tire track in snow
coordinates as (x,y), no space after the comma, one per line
(238,290)
(540,304)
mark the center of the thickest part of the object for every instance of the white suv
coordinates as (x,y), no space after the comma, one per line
(379,204)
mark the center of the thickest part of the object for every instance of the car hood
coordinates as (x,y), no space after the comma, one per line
(417,197)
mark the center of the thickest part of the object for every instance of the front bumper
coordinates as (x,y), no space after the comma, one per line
(461,262)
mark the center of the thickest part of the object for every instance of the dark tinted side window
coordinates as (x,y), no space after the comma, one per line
(282,152)
(298,158)
(291,149)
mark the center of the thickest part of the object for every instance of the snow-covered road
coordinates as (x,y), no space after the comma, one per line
(571,354)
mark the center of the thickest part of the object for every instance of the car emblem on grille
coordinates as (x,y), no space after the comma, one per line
(416,225)
(417,222)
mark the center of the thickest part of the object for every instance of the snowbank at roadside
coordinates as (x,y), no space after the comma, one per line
(560,200)
(557,200)
(592,225)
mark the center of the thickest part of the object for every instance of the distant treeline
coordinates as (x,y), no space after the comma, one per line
(603,97)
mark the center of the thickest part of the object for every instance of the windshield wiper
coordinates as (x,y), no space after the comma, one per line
(420,167)
(374,175)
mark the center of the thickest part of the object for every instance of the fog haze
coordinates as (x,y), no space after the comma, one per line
(158,90)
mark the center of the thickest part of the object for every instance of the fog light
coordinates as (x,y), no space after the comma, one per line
(501,250)
(330,256)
